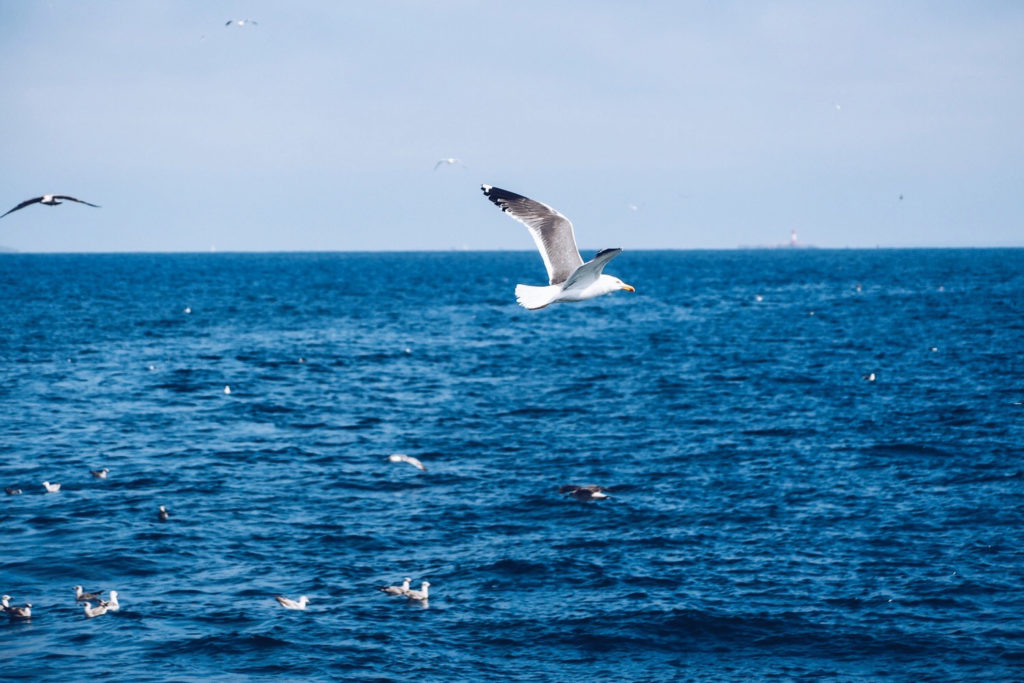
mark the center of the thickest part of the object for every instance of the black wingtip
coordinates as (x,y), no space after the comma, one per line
(500,197)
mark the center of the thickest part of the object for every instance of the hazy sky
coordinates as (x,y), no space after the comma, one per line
(650,124)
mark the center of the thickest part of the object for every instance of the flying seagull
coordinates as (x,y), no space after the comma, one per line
(570,278)
(451,161)
(241,22)
(49,200)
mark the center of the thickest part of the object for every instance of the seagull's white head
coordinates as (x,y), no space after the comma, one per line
(610,283)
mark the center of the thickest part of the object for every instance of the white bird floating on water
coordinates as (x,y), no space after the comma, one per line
(396,590)
(82,596)
(51,488)
(570,279)
(292,604)
(227,389)
(162,514)
(49,200)
(111,605)
(20,612)
(91,611)
(101,473)
(870,377)
(402,457)
(584,492)
(421,594)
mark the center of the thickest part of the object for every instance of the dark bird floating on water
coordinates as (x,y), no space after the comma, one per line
(570,278)
(584,492)
(590,493)
(49,200)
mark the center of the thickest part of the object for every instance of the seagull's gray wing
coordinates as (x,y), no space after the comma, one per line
(80,201)
(551,231)
(591,270)
(25,203)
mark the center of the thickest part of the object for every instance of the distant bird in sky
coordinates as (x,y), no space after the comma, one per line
(49,200)
(241,22)
(584,492)
(402,457)
(450,161)
(570,279)
(292,604)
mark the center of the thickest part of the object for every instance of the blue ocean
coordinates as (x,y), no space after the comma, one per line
(815,463)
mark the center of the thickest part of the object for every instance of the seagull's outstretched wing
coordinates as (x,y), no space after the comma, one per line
(73,199)
(25,203)
(551,231)
(591,270)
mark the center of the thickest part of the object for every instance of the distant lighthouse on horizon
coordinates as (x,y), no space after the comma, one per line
(792,238)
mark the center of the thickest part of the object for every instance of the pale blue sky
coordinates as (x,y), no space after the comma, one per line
(723,123)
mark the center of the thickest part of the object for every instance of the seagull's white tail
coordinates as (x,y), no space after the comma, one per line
(533,298)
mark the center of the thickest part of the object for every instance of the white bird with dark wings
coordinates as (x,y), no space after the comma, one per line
(49,200)
(569,278)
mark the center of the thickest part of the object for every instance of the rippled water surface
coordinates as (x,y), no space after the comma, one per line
(774,514)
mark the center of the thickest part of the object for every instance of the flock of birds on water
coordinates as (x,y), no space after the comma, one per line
(111,604)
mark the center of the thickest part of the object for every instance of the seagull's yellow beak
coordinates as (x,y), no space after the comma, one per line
(628,288)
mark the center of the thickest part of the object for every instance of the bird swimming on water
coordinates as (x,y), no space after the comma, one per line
(402,457)
(111,605)
(101,473)
(49,200)
(569,278)
(96,611)
(396,590)
(163,514)
(584,492)
(51,488)
(12,490)
(421,594)
(20,612)
(82,596)
(292,604)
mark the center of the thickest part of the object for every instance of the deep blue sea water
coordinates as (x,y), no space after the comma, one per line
(774,515)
